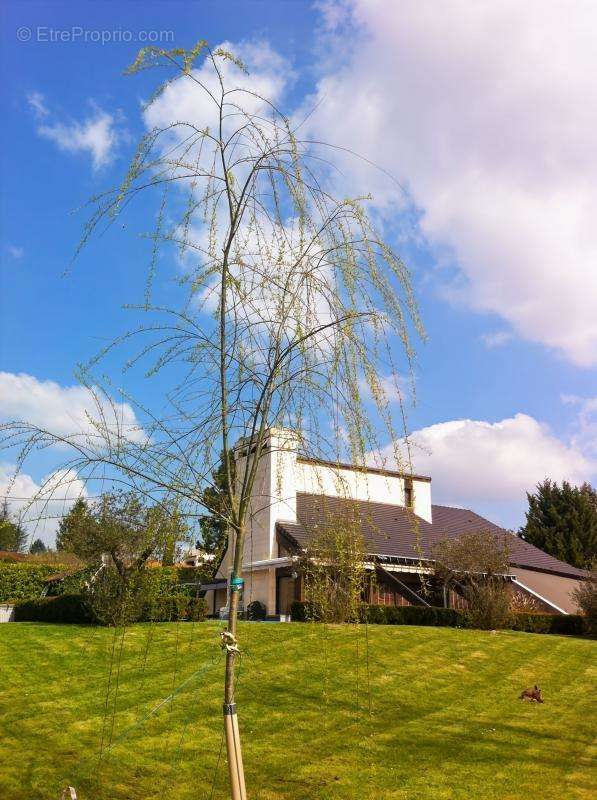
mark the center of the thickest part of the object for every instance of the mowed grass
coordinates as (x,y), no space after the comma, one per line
(326,712)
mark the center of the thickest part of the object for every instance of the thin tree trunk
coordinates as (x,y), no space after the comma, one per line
(233,746)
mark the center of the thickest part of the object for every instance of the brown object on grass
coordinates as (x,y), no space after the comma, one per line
(532,694)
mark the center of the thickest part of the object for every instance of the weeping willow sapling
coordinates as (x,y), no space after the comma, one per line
(289,308)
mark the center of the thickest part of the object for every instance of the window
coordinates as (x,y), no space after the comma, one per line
(409,493)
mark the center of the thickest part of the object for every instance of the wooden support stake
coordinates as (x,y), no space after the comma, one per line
(235,758)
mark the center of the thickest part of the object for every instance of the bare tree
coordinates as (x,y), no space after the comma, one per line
(290,309)
(477,564)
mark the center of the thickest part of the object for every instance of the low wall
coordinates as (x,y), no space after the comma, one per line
(6,612)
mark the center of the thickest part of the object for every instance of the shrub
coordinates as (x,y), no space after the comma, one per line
(333,567)
(476,562)
(521,601)
(488,604)
(22,580)
(586,597)
(196,610)
(174,606)
(72,582)
(302,611)
(256,610)
(65,608)
(570,625)
(164,608)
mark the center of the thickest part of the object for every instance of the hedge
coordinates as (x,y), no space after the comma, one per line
(159,580)
(416,615)
(571,624)
(391,615)
(22,580)
(66,608)
(73,608)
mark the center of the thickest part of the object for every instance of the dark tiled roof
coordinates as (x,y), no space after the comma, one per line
(390,530)
(454,521)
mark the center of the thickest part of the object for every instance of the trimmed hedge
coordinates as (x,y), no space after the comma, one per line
(416,615)
(66,608)
(21,580)
(73,608)
(570,625)
(391,615)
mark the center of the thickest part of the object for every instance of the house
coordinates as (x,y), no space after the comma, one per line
(292,498)
(196,557)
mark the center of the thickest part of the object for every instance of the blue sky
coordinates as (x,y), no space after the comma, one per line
(496,224)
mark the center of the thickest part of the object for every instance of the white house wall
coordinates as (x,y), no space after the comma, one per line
(359,485)
(280,476)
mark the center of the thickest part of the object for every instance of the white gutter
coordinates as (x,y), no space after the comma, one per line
(268,563)
(540,597)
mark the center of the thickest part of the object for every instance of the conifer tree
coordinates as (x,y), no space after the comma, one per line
(38,547)
(562,521)
(214,532)
(13,536)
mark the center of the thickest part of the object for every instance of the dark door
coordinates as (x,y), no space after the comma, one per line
(285,593)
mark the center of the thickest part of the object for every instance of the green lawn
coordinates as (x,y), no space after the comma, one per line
(418,713)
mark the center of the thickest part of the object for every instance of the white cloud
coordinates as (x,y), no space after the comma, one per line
(489,467)
(15,252)
(183,100)
(394,388)
(264,258)
(585,435)
(97,135)
(40,505)
(61,410)
(496,338)
(37,103)
(486,113)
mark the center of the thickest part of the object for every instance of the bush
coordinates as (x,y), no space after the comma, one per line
(21,580)
(256,610)
(302,611)
(196,610)
(570,625)
(174,606)
(586,597)
(488,604)
(72,582)
(65,608)
(164,608)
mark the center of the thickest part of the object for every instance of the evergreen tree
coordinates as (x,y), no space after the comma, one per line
(562,521)
(13,536)
(214,529)
(74,527)
(123,526)
(38,547)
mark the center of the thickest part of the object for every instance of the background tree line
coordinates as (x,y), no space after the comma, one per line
(562,521)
